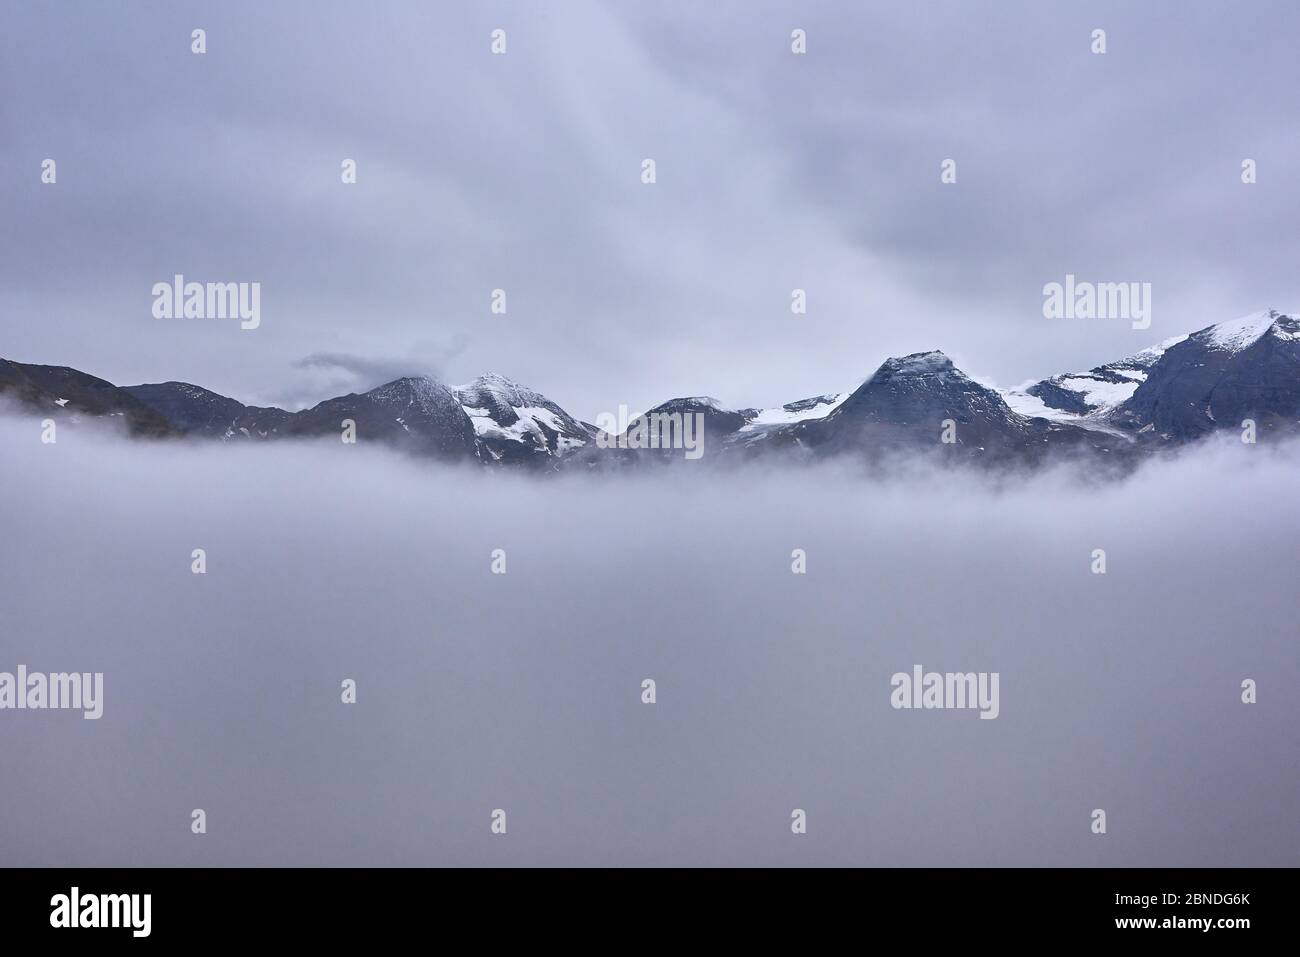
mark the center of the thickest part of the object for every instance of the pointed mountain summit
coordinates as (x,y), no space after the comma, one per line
(912,402)
(516,425)
(1236,335)
(414,413)
(906,402)
(1185,387)
(1219,376)
(719,421)
(914,389)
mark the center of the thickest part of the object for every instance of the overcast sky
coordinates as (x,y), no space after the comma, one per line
(522,171)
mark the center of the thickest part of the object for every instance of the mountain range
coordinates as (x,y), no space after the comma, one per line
(1159,399)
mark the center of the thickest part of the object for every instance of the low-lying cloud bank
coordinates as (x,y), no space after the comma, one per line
(523,691)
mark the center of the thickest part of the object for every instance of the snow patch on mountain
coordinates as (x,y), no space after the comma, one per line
(1086,398)
(1032,407)
(502,410)
(804,410)
(707,401)
(1236,334)
(1102,393)
(1286,327)
(528,419)
(1150,356)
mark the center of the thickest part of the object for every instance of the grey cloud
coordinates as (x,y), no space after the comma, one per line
(346,372)
(520,172)
(374,370)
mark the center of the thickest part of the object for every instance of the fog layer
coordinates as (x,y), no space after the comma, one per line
(522,691)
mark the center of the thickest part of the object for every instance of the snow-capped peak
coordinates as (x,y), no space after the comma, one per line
(1237,334)
(414,395)
(502,410)
(694,401)
(490,380)
(493,390)
(1147,357)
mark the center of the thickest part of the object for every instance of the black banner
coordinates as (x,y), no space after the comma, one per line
(1157,906)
